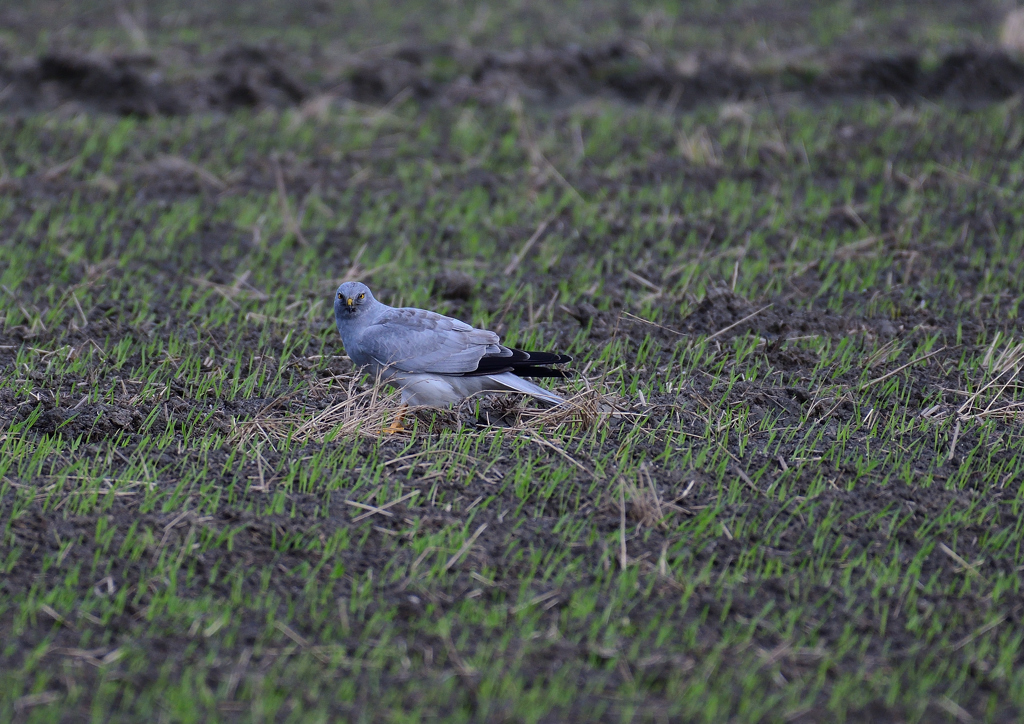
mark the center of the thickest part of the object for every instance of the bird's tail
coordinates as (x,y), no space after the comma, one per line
(515,383)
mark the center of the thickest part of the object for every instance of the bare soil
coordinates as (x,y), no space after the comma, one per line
(261,76)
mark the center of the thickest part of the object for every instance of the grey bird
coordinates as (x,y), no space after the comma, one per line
(436,360)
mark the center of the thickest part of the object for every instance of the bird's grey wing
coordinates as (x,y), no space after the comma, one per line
(415,340)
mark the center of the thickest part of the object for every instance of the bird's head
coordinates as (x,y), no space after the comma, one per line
(351,299)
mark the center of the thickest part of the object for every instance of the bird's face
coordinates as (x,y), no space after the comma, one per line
(352,297)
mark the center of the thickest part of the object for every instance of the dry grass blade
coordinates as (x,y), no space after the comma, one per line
(52,613)
(854,248)
(31,700)
(235,291)
(382,509)
(1009,361)
(698,148)
(644,282)
(881,354)
(541,598)
(902,367)
(980,632)
(372,508)
(552,446)
(465,547)
(291,633)
(738,322)
(518,258)
(653,324)
(957,558)
(177,163)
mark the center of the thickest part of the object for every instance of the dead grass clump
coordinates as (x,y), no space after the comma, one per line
(585,408)
(368,412)
(363,412)
(1002,369)
(698,148)
(644,503)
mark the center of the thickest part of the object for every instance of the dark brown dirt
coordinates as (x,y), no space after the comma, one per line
(242,77)
(249,76)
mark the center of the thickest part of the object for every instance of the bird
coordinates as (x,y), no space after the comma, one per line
(436,361)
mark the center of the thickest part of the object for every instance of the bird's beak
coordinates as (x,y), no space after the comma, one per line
(349,301)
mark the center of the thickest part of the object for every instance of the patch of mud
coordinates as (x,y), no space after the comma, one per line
(728,315)
(619,70)
(976,76)
(121,84)
(968,76)
(241,77)
(453,284)
(248,77)
(93,421)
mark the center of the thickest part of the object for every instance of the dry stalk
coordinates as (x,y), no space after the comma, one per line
(902,367)
(738,322)
(518,258)
(360,412)
(177,163)
(586,408)
(698,148)
(880,355)
(646,505)
(1004,369)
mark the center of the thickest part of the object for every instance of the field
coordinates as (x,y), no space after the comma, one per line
(783,243)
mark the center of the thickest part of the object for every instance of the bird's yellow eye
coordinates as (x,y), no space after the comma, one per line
(339,295)
(361,296)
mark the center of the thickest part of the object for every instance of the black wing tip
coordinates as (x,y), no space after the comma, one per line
(545,358)
(537,365)
(523,364)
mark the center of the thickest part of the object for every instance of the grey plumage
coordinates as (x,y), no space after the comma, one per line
(435,360)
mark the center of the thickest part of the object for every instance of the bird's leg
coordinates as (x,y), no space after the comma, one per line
(396,424)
